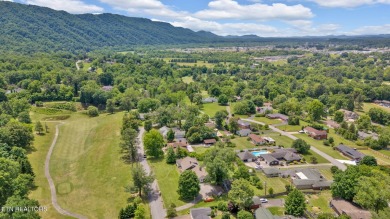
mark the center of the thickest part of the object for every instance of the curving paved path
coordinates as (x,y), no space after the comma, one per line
(51,183)
(335,162)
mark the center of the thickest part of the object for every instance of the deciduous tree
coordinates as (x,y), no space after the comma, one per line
(188,185)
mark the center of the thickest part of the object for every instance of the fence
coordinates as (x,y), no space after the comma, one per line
(379,153)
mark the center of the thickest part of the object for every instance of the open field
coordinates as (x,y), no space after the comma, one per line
(319,145)
(167,176)
(293,128)
(190,64)
(268,121)
(368,106)
(37,159)
(211,108)
(87,168)
(380,159)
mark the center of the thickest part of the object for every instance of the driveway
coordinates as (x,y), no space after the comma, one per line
(155,200)
(273,203)
(335,162)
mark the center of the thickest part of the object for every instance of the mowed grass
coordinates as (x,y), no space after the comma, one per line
(167,176)
(87,168)
(380,159)
(319,203)
(319,145)
(37,159)
(267,121)
(368,106)
(278,184)
(211,108)
(293,128)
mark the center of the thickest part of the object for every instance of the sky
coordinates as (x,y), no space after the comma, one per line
(266,18)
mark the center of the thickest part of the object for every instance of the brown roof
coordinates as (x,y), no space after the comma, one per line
(315,131)
(178,144)
(345,207)
(209,141)
(187,163)
(256,138)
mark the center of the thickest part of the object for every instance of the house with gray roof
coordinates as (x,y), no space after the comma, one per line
(200,213)
(287,154)
(243,124)
(163,131)
(271,172)
(350,152)
(269,159)
(244,132)
(247,156)
(280,116)
(308,178)
(210,100)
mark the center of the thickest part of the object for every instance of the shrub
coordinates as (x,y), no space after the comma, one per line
(39,104)
(92,111)
(334,169)
(222,206)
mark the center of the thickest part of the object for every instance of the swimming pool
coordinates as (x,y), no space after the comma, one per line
(258,153)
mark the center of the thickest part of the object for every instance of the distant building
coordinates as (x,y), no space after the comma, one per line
(269,140)
(209,141)
(264,109)
(289,155)
(350,152)
(271,172)
(200,213)
(344,207)
(107,88)
(308,178)
(164,131)
(189,163)
(210,100)
(247,156)
(349,116)
(332,124)
(282,117)
(243,132)
(316,134)
(243,124)
(364,135)
(257,140)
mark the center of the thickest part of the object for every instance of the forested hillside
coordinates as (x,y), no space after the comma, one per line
(44,29)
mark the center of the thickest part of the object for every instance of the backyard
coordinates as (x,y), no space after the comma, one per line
(211,108)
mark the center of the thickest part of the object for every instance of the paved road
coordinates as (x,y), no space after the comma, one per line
(335,162)
(51,183)
(155,200)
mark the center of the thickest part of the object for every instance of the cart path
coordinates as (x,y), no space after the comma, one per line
(51,183)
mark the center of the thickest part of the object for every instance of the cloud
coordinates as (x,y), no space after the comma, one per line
(71,6)
(371,30)
(349,3)
(230,9)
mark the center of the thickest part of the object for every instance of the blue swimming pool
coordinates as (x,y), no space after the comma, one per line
(258,153)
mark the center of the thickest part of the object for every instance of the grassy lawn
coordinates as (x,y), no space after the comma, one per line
(268,121)
(319,145)
(187,79)
(37,159)
(368,106)
(326,173)
(242,143)
(319,203)
(385,152)
(211,108)
(87,168)
(276,210)
(277,183)
(167,176)
(200,150)
(381,160)
(293,128)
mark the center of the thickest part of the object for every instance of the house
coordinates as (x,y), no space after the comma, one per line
(200,213)
(164,131)
(364,135)
(107,88)
(350,152)
(181,144)
(383,103)
(189,163)
(220,134)
(271,172)
(243,124)
(269,140)
(210,141)
(257,140)
(308,178)
(289,155)
(316,134)
(247,156)
(15,90)
(344,207)
(269,159)
(268,104)
(243,132)
(282,117)
(264,213)
(179,133)
(210,125)
(210,100)
(349,116)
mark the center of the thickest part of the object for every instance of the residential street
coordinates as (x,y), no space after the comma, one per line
(155,200)
(335,162)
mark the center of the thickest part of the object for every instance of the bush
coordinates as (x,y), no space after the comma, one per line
(63,106)
(92,111)
(334,169)
(222,206)
(225,215)
(326,143)
(39,104)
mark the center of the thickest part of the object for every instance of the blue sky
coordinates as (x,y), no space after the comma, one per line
(240,17)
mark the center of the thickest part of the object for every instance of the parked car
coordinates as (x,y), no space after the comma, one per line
(264,200)
(301,131)
(209,199)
